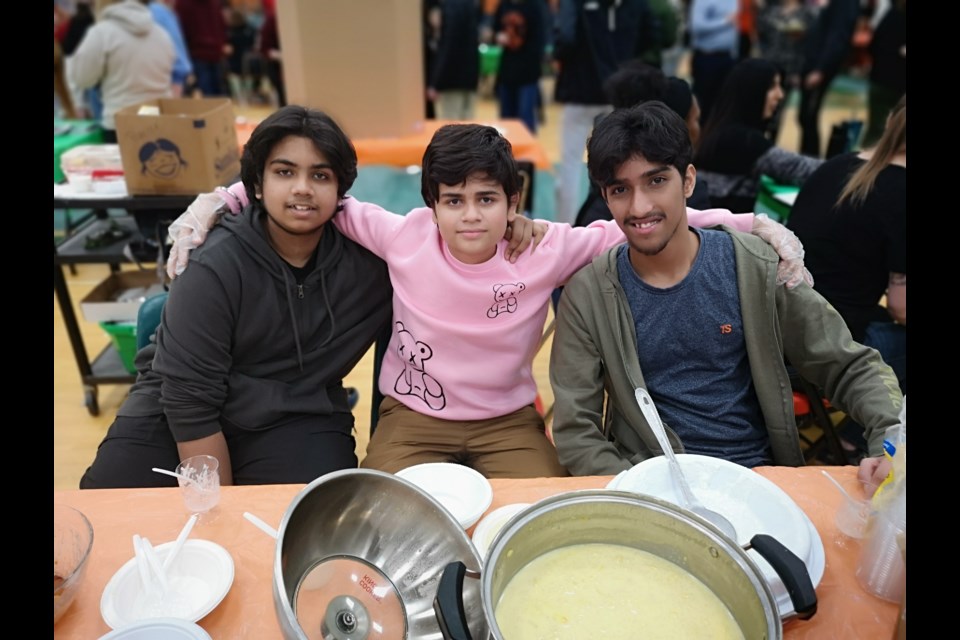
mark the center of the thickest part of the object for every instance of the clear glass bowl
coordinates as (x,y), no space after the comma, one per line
(72,543)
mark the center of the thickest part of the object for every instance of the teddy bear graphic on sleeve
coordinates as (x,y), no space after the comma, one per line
(505,298)
(414,380)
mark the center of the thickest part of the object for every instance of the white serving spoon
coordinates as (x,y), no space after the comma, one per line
(693,504)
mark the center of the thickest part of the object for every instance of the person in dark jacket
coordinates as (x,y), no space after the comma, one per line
(592,40)
(735,147)
(258,335)
(455,72)
(827,46)
(521,33)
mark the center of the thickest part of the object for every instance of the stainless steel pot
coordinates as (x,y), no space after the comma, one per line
(360,554)
(645,523)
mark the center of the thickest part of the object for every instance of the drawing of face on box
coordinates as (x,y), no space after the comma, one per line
(161,159)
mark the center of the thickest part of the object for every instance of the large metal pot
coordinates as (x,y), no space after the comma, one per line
(645,523)
(360,554)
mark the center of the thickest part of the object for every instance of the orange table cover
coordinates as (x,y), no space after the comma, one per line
(845,610)
(403,151)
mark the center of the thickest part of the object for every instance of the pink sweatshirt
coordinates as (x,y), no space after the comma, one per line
(465,336)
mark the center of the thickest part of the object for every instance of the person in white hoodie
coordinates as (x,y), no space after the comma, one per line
(128,55)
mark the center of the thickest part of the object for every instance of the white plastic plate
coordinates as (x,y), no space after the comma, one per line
(199,578)
(462,491)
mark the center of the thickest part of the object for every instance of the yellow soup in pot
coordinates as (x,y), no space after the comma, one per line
(613,592)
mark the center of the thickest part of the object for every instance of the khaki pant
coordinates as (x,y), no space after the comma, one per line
(511,446)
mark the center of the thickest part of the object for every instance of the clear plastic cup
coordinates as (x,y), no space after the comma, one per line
(882,570)
(852,516)
(201,490)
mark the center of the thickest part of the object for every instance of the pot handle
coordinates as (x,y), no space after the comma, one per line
(448,604)
(792,571)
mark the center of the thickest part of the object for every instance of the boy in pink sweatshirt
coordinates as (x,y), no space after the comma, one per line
(458,373)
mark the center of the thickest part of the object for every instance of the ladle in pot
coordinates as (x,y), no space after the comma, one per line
(692,502)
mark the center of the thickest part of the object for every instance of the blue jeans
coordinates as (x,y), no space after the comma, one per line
(520,102)
(209,78)
(890,339)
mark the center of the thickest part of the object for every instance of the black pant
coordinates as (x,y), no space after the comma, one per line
(811,101)
(293,453)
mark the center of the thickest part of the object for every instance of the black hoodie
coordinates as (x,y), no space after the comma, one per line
(242,342)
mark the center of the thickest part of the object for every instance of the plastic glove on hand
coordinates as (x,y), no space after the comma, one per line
(190,230)
(791,270)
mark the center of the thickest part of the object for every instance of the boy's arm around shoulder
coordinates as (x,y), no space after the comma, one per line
(371,226)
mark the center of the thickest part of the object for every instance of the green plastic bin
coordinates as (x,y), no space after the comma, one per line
(124,338)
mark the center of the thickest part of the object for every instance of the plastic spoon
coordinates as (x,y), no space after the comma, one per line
(154,563)
(187,528)
(839,486)
(142,566)
(260,524)
(174,474)
(693,504)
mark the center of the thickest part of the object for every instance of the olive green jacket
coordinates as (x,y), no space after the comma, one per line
(594,360)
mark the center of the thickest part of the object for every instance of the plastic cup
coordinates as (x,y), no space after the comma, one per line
(201,492)
(882,570)
(852,516)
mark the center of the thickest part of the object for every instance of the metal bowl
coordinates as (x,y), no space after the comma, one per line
(72,542)
(360,554)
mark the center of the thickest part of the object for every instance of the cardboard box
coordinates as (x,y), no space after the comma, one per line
(189,147)
(118,298)
(372,85)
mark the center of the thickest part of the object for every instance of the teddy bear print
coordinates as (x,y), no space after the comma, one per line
(505,297)
(413,380)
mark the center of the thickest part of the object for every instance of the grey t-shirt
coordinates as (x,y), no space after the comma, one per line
(693,355)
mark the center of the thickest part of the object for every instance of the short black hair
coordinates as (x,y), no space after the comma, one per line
(458,151)
(294,120)
(651,129)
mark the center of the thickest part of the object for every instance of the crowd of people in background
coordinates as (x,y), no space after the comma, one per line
(221,48)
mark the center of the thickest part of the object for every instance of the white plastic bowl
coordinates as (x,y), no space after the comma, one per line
(200,577)
(159,629)
(462,491)
(492,523)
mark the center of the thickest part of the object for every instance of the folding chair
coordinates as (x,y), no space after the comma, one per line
(813,413)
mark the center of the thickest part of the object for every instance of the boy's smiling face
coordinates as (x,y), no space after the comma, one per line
(299,189)
(472,217)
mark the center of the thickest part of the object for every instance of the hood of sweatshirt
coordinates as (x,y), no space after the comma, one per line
(249,230)
(130,16)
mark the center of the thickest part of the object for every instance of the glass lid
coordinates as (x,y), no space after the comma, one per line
(346,598)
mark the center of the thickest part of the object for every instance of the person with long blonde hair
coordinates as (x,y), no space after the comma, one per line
(851,216)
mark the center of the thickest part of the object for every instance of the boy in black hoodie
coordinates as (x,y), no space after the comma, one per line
(255,340)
